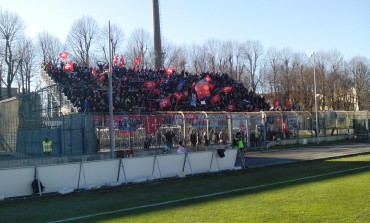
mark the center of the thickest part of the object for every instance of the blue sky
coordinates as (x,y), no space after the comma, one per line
(302,25)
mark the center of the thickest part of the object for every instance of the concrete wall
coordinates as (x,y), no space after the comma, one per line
(9,122)
(16,182)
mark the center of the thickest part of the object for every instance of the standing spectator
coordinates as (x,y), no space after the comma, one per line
(223,136)
(239,144)
(193,138)
(46,146)
(169,138)
(206,140)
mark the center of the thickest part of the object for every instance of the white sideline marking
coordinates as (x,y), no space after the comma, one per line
(206,195)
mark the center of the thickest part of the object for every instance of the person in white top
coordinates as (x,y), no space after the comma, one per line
(181,148)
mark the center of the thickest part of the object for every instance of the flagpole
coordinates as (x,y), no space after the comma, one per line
(314,84)
(110,95)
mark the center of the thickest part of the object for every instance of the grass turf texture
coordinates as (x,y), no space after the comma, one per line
(342,197)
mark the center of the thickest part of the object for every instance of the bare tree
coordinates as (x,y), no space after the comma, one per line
(252,51)
(272,60)
(140,45)
(49,47)
(359,68)
(11,29)
(27,65)
(82,37)
(117,37)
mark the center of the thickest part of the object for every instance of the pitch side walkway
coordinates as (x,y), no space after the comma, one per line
(284,156)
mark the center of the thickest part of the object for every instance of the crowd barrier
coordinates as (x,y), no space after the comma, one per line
(16,182)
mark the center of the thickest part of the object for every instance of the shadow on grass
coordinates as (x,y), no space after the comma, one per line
(88,203)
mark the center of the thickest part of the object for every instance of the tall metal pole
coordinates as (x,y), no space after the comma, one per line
(110,95)
(314,86)
(157,35)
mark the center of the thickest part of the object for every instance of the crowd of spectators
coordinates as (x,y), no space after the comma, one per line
(144,89)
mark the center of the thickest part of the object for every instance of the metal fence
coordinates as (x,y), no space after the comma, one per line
(21,135)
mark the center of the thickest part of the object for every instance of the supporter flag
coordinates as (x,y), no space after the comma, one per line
(99,119)
(93,71)
(137,60)
(179,96)
(231,108)
(115,59)
(169,71)
(288,103)
(156,91)
(101,78)
(128,123)
(63,55)
(285,126)
(227,89)
(180,85)
(202,89)
(208,78)
(153,123)
(150,85)
(121,61)
(165,102)
(68,66)
(294,107)
(276,103)
(215,98)
(185,93)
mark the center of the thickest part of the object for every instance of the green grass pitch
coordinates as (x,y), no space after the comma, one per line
(335,190)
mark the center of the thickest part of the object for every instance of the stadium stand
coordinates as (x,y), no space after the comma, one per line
(149,90)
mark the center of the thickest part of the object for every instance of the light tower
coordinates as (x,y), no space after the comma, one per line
(157,35)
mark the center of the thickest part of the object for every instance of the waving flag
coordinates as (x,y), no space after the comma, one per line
(202,89)
(165,102)
(180,85)
(93,71)
(231,108)
(68,66)
(179,96)
(288,103)
(169,71)
(208,78)
(215,98)
(121,61)
(63,55)
(227,89)
(276,103)
(150,85)
(156,91)
(137,60)
(115,59)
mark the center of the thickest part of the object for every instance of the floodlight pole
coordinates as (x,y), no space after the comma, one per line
(314,86)
(110,95)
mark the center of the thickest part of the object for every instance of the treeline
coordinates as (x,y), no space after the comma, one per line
(276,73)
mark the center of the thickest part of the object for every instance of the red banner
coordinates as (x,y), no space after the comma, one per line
(153,123)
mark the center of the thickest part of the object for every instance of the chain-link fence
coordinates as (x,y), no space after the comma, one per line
(21,134)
